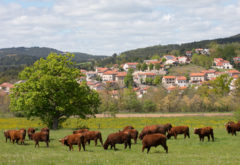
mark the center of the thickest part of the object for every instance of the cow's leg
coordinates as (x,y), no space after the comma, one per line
(79,146)
(212,136)
(95,141)
(35,144)
(188,135)
(114,146)
(83,145)
(88,142)
(148,149)
(200,138)
(143,147)
(165,147)
(135,140)
(208,137)
(47,143)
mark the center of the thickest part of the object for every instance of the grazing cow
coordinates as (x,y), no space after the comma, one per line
(7,134)
(202,132)
(227,126)
(16,135)
(42,136)
(233,128)
(30,132)
(118,138)
(46,129)
(155,129)
(133,133)
(128,127)
(153,140)
(178,130)
(74,139)
(92,135)
(80,131)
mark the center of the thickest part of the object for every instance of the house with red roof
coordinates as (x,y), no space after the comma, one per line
(109,75)
(170,59)
(129,65)
(100,71)
(168,81)
(181,81)
(222,64)
(197,78)
(236,60)
(120,78)
(140,77)
(183,60)
(210,74)
(6,87)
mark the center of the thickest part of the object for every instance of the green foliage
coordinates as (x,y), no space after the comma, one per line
(128,80)
(202,60)
(164,60)
(51,92)
(221,85)
(149,106)
(157,66)
(157,80)
(149,81)
(139,66)
(155,57)
(151,66)
(130,101)
(144,67)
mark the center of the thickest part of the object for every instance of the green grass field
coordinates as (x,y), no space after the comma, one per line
(185,69)
(225,150)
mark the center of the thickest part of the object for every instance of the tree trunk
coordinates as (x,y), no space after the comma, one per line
(55,123)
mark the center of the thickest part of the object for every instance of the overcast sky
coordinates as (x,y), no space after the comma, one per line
(113,26)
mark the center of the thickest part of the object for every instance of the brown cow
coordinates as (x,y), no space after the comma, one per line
(17,135)
(227,126)
(41,137)
(233,128)
(118,138)
(80,131)
(7,134)
(178,130)
(155,129)
(92,135)
(202,132)
(133,133)
(46,129)
(153,140)
(128,127)
(74,139)
(30,132)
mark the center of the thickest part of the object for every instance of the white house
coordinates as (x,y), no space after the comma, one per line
(140,77)
(170,59)
(181,81)
(210,74)
(109,75)
(120,78)
(6,87)
(183,60)
(196,78)
(168,80)
(90,75)
(222,64)
(129,65)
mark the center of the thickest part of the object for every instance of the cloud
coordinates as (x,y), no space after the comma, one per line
(107,27)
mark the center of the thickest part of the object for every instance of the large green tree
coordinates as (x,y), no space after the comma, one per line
(50,91)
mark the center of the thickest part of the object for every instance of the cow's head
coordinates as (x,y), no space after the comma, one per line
(170,133)
(197,130)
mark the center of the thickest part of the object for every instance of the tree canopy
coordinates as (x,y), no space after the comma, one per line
(51,92)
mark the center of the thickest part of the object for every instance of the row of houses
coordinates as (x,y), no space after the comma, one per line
(196,78)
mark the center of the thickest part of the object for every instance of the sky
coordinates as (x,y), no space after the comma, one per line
(105,27)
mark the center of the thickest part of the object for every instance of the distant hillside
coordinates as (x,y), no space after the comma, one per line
(146,53)
(23,55)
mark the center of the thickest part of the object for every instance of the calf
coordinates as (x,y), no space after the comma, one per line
(41,137)
(233,128)
(7,135)
(202,132)
(133,133)
(74,139)
(92,135)
(80,131)
(153,140)
(118,138)
(178,130)
(16,135)
(30,132)
(128,127)
(155,129)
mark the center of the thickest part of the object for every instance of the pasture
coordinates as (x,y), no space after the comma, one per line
(225,149)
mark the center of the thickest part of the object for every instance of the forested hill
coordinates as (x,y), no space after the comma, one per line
(23,55)
(146,53)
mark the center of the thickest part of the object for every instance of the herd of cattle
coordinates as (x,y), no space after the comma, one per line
(151,136)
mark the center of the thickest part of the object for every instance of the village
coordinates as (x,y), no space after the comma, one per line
(143,77)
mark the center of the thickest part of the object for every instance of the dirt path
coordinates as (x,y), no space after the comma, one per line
(165,115)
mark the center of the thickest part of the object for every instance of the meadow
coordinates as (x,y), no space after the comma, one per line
(224,150)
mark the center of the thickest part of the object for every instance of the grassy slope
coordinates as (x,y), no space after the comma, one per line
(185,69)
(190,151)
